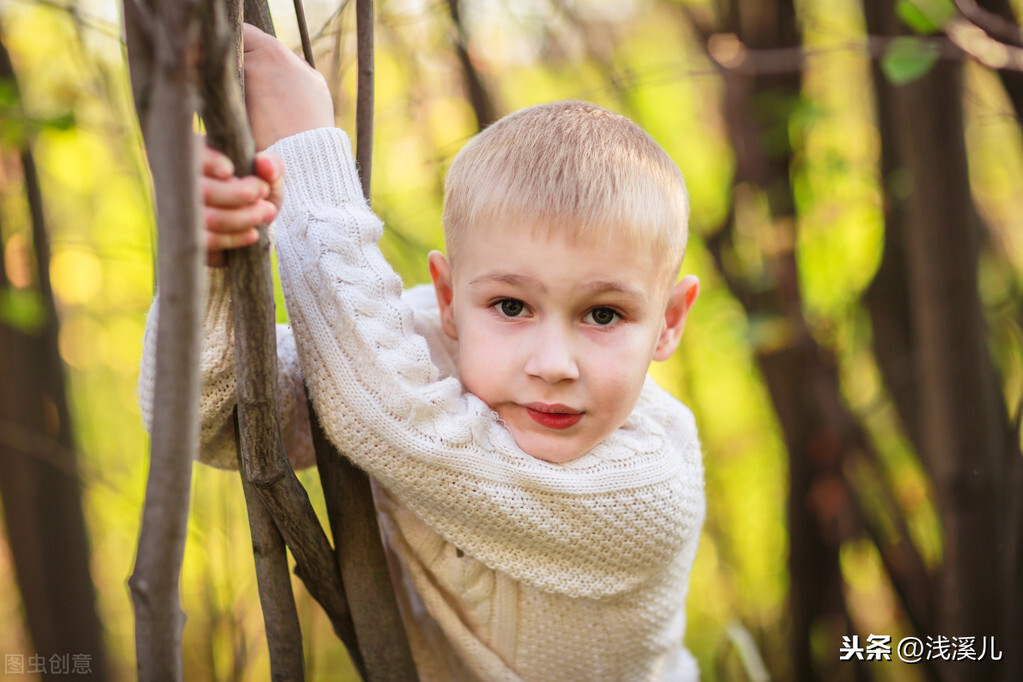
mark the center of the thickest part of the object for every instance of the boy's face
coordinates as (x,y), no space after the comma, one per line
(557,336)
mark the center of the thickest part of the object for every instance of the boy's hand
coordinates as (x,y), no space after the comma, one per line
(235,207)
(283,94)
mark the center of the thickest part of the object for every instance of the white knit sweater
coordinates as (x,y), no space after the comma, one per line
(513,567)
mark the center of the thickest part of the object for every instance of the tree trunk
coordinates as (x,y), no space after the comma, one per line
(40,486)
(800,376)
(946,387)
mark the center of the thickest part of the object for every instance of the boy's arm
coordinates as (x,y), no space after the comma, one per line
(217,382)
(233,207)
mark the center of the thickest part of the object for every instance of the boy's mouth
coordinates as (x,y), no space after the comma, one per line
(553,416)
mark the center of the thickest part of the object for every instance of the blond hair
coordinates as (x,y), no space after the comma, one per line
(569,166)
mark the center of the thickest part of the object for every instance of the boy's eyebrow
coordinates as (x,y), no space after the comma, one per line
(602,286)
(596,287)
(508,278)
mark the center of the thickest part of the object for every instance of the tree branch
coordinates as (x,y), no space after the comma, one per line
(163,76)
(994,25)
(479,97)
(303,32)
(364,97)
(280,616)
(384,652)
(264,462)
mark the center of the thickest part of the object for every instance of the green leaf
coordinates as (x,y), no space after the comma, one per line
(22,309)
(925,16)
(907,59)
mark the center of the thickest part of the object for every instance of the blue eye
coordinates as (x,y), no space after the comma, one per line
(511,307)
(602,317)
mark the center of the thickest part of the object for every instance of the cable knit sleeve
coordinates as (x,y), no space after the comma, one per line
(602,524)
(217,387)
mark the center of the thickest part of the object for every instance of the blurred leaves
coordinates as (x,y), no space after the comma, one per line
(906,59)
(22,309)
(17,127)
(925,16)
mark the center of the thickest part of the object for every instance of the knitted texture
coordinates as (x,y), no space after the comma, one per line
(515,568)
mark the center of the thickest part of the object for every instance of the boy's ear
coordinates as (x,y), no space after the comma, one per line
(679,303)
(440,271)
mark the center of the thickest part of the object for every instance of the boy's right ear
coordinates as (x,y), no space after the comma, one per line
(440,271)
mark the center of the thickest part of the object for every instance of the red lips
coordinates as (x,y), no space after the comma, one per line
(553,416)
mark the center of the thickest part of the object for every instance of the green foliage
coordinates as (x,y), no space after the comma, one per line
(906,59)
(925,16)
(22,309)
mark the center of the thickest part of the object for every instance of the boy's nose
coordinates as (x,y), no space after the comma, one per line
(553,357)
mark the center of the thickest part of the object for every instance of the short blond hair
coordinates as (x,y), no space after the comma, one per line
(569,165)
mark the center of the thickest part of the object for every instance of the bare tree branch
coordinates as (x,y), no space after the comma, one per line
(364,97)
(993,24)
(264,462)
(303,31)
(479,97)
(384,652)
(162,40)
(280,615)
(993,54)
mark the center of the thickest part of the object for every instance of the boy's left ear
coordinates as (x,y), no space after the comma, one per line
(440,272)
(679,303)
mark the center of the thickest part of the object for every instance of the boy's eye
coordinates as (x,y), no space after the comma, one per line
(602,317)
(511,307)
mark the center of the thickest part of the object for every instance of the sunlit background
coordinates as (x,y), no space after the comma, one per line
(639,57)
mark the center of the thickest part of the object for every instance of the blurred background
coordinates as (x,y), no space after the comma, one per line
(855,360)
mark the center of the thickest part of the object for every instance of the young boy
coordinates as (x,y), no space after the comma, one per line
(544,497)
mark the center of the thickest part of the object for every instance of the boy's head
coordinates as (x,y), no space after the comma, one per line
(573,168)
(565,227)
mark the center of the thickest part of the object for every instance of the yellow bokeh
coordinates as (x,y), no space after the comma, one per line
(76,275)
(80,341)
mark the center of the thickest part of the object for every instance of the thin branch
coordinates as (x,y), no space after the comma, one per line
(303,31)
(41,446)
(280,615)
(905,567)
(364,97)
(998,27)
(479,97)
(223,40)
(165,99)
(993,54)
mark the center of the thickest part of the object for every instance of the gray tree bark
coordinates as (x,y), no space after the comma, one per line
(162,43)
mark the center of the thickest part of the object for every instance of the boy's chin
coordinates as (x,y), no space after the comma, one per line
(551,448)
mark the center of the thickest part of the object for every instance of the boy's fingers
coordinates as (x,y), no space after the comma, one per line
(234,192)
(269,167)
(221,241)
(215,164)
(232,221)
